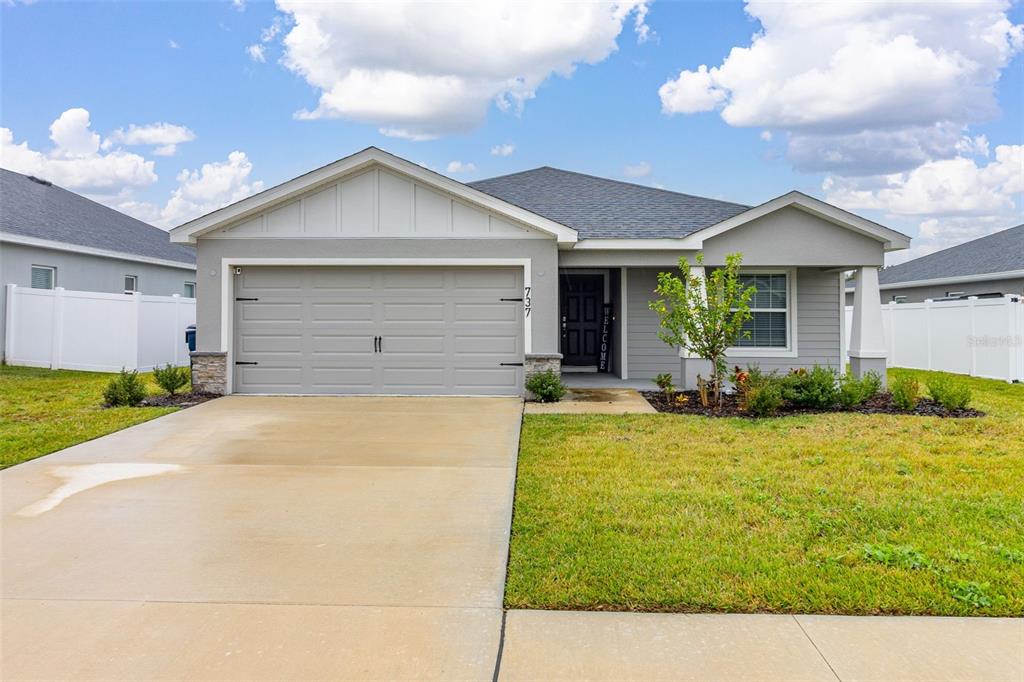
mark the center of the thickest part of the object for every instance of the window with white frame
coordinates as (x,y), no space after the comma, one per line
(44,276)
(131,284)
(769,308)
(190,289)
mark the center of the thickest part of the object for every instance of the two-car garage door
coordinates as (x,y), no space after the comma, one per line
(383,330)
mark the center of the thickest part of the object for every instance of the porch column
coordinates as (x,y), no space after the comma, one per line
(867,341)
(690,364)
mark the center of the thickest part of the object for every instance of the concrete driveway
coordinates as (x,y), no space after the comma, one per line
(258,537)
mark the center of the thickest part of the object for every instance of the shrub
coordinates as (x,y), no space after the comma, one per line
(760,393)
(547,386)
(951,393)
(171,378)
(906,391)
(125,389)
(816,388)
(665,383)
(854,391)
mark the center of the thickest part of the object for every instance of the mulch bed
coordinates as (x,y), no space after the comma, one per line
(880,404)
(179,400)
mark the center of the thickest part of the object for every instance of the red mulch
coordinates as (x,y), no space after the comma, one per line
(880,404)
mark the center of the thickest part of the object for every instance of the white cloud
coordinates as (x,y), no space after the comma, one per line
(460,167)
(766,135)
(165,136)
(200,191)
(862,87)
(503,149)
(173,44)
(956,199)
(637,170)
(238,5)
(256,52)
(973,146)
(419,70)
(75,161)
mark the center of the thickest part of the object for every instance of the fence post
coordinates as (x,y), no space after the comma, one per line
(9,322)
(892,333)
(928,332)
(136,319)
(177,326)
(971,300)
(57,338)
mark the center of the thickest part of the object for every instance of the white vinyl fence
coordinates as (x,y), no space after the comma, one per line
(95,332)
(982,337)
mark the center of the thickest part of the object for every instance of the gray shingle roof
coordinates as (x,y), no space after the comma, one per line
(603,208)
(997,252)
(32,209)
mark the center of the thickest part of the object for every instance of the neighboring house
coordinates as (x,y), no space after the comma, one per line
(375,275)
(987,266)
(50,237)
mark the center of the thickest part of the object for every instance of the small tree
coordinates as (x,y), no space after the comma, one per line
(704,316)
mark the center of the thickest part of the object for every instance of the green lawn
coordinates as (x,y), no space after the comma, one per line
(43,410)
(834,513)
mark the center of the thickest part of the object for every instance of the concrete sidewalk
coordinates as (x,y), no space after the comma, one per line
(568,645)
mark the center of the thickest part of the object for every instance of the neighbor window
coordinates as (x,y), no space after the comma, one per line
(769,308)
(899,299)
(131,284)
(43,276)
(954,293)
(190,289)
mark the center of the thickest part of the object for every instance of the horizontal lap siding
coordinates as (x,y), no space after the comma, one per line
(646,354)
(818,310)
(817,319)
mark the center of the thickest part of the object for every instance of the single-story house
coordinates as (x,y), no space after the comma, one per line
(988,266)
(50,237)
(373,275)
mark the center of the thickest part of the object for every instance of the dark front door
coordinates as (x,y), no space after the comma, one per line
(582,300)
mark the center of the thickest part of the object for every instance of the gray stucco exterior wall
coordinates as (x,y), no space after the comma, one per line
(920,294)
(817,321)
(83,272)
(543,254)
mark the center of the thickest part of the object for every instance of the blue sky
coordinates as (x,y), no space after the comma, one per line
(191,65)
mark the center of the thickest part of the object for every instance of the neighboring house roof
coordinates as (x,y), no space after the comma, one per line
(602,208)
(39,213)
(1001,253)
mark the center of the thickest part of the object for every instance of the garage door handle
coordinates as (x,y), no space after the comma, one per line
(511,364)
(239,362)
(246,299)
(511,299)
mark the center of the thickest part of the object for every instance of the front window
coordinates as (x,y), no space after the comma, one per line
(131,284)
(769,308)
(190,289)
(43,276)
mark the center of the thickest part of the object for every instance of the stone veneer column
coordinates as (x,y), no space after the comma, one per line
(542,362)
(209,372)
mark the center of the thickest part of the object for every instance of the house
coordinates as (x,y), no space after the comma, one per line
(50,237)
(987,266)
(375,275)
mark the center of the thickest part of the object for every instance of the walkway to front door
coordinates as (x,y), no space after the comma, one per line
(265,538)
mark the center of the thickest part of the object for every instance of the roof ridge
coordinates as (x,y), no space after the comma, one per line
(619,182)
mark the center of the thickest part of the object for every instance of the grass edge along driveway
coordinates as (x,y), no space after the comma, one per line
(45,410)
(830,513)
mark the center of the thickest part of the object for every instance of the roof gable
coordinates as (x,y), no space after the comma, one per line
(43,214)
(351,167)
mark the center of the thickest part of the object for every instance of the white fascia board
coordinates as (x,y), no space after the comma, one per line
(90,251)
(1006,274)
(187,232)
(892,239)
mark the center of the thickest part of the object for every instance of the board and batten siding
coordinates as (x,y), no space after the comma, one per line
(818,332)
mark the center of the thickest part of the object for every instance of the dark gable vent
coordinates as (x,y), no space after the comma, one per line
(40,181)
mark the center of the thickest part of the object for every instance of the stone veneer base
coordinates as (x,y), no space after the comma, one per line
(209,372)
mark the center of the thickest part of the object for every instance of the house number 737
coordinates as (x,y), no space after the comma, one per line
(526,300)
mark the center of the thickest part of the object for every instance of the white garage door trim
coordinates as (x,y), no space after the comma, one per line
(228,286)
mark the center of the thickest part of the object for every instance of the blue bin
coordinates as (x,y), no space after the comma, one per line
(190,337)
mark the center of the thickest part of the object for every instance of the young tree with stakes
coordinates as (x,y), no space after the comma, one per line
(704,315)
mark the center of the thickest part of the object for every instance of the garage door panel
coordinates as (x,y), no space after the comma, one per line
(443,330)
